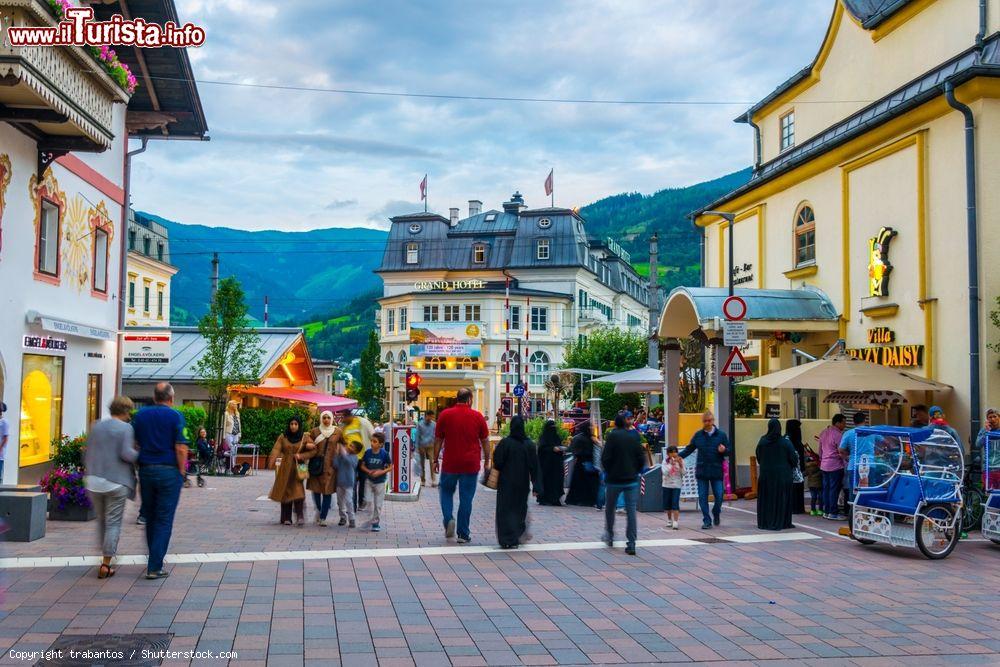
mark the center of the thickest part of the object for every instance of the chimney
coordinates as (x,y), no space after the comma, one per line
(453,216)
(515,205)
(475,207)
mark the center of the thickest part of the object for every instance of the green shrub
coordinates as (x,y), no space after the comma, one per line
(194,419)
(261,426)
(69,452)
(533,429)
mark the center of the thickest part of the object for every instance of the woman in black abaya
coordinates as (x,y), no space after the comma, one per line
(793,431)
(550,462)
(775,460)
(584,481)
(517,462)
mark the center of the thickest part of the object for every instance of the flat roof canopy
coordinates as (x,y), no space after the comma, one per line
(321,400)
(690,309)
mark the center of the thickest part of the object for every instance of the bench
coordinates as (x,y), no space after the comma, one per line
(902,494)
(24,515)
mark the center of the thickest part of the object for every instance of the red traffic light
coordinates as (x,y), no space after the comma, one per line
(412,380)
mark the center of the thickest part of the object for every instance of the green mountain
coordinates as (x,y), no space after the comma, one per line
(631,218)
(341,333)
(301,273)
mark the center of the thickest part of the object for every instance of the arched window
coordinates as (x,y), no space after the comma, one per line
(508,373)
(467,364)
(388,359)
(539,367)
(436,363)
(805,236)
(402,361)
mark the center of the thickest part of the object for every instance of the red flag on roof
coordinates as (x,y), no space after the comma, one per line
(423,188)
(548,183)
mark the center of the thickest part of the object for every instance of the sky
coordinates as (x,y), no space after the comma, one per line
(301,159)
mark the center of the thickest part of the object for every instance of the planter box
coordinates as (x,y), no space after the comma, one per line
(71,513)
(246,458)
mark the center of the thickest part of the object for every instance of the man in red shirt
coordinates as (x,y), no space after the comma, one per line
(466,438)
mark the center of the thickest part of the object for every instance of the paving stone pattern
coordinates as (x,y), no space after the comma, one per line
(827,601)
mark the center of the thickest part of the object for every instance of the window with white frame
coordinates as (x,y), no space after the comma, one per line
(539,367)
(472,312)
(452,313)
(100,272)
(389,359)
(539,318)
(412,253)
(788,130)
(509,362)
(515,318)
(542,249)
(48,239)
(479,253)
(390,320)
(430,313)
(805,236)
(401,361)
(404,313)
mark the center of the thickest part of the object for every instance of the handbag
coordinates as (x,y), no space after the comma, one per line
(303,471)
(317,463)
(491,478)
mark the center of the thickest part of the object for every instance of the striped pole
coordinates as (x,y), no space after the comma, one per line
(506,326)
(527,355)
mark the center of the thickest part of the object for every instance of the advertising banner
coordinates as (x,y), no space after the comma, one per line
(146,348)
(402,459)
(445,339)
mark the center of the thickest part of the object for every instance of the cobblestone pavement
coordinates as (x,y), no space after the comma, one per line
(825,600)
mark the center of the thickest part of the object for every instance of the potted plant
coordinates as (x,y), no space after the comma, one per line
(68,499)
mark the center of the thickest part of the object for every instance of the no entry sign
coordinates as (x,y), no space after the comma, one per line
(734,308)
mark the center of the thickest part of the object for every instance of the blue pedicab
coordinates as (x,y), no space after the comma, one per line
(908,485)
(991,476)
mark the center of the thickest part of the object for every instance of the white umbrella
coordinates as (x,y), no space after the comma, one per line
(845,373)
(638,380)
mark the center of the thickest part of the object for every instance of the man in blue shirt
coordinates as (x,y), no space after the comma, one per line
(159,430)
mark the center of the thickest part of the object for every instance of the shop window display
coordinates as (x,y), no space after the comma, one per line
(41,407)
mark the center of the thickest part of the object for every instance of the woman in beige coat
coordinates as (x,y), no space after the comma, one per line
(324,439)
(288,489)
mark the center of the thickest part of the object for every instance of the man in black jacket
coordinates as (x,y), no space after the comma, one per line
(622,459)
(712,446)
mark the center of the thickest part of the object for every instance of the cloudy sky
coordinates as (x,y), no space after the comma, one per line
(294,160)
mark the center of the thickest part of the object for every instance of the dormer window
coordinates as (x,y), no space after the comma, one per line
(491,217)
(787,130)
(479,253)
(412,253)
(542,251)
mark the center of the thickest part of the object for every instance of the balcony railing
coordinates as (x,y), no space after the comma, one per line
(60,90)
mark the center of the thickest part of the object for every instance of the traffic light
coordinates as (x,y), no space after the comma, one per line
(412,386)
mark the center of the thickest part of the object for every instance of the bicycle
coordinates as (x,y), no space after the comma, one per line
(974,500)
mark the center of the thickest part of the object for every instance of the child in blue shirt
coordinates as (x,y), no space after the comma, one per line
(346,462)
(376,465)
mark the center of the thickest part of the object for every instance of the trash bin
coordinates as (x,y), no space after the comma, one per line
(651,490)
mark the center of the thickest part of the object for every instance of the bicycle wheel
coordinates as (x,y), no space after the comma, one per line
(972,509)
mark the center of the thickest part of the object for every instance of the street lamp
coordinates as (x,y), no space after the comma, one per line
(730,218)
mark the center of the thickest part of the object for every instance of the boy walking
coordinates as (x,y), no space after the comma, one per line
(345,460)
(376,464)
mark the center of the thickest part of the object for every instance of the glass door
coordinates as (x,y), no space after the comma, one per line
(94,382)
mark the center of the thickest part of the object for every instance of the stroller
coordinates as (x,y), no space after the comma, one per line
(205,462)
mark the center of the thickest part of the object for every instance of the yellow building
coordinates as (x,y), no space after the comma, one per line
(860,192)
(147,290)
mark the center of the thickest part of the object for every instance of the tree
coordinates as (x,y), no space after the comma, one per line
(233,353)
(692,380)
(610,349)
(369,390)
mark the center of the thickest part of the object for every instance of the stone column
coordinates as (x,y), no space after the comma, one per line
(671,392)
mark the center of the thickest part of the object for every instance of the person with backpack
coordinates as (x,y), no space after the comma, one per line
(322,482)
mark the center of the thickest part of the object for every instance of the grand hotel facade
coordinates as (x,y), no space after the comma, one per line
(450,277)
(860,205)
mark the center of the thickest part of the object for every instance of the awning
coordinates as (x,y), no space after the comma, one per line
(639,380)
(56,325)
(689,309)
(319,399)
(845,373)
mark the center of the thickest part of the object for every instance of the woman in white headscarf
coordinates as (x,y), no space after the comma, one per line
(324,484)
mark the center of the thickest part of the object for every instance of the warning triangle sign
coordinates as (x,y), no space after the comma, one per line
(736,365)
